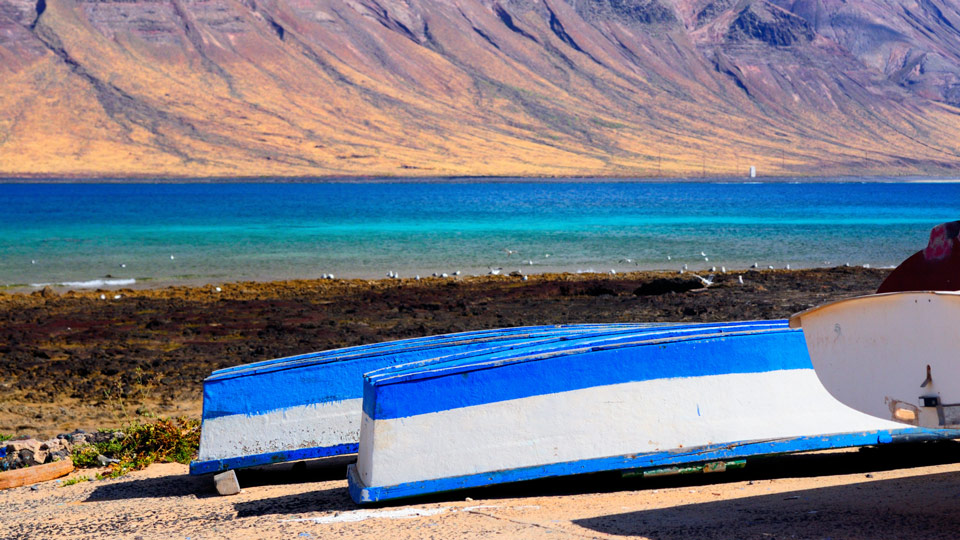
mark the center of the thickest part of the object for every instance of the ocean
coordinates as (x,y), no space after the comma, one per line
(83,235)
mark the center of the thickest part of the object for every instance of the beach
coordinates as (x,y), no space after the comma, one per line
(101,359)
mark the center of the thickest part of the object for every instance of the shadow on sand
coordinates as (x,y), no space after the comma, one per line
(750,516)
(320,470)
(908,508)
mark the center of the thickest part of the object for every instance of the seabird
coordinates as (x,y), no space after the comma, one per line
(509,251)
(707,281)
(740,279)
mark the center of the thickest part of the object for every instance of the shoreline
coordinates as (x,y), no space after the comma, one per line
(361,179)
(114,284)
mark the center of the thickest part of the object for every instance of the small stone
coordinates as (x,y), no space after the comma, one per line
(227,483)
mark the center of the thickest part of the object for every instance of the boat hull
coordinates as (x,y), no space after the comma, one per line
(650,403)
(893,356)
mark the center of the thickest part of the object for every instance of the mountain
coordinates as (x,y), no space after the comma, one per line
(478,87)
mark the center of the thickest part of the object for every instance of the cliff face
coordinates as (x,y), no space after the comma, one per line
(433,87)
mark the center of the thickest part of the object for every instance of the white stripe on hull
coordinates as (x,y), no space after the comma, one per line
(304,426)
(627,418)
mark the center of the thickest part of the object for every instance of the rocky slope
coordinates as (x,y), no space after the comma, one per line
(480,87)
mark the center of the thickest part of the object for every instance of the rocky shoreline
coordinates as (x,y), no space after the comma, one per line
(99,359)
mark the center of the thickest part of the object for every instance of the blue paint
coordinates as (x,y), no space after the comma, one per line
(220,465)
(316,378)
(307,382)
(490,380)
(428,341)
(470,360)
(362,494)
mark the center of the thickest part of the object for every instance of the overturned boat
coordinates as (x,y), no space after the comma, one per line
(308,406)
(660,398)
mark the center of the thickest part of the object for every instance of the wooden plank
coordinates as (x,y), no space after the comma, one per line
(38,473)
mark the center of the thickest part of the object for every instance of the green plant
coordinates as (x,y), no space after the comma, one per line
(5,437)
(162,440)
(76,480)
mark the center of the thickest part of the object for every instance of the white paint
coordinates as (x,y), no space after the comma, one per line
(872,352)
(400,513)
(303,426)
(627,418)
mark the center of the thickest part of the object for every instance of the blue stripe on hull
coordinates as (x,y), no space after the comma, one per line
(336,379)
(432,389)
(311,381)
(362,494)
(220,465)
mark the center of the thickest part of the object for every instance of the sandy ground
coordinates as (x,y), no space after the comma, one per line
(907,492)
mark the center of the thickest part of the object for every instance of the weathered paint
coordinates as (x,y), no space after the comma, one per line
(363,494)
(309,405)
(893,355)
(603,407)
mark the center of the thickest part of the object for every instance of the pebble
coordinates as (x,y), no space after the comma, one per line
(27,451)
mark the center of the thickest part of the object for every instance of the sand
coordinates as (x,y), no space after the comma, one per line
(902,493)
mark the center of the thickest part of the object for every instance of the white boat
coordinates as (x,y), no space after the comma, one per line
(308,406)
(666,398)
(891,355)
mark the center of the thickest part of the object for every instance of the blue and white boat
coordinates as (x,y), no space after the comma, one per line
(652,399)
(308,406)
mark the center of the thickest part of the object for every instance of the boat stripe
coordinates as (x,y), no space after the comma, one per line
(561,371)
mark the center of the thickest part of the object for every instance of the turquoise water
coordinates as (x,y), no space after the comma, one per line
(88,235)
